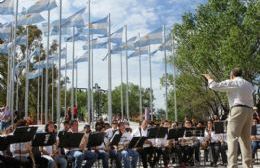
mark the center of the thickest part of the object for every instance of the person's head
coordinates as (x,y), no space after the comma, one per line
(121,127)
(187,124)
(144,124)
(215,117)
(107,126)
(74,125)
(200,124)
(21,123)
(49,127)
(87,128)
(68,109)
(210,124)
(236,72)
(114,124)
(166,124)
(66,125)
(174,125)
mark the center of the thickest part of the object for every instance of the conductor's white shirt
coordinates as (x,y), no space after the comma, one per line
(239,91)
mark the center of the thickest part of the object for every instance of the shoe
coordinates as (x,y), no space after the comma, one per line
(213,164)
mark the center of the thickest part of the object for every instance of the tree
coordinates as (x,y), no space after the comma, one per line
(221,35)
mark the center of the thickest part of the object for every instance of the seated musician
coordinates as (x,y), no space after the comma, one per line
(255,140)
(52,153)
(122,148)
(23,151)
(147,149)
(162,147)
(80,154)
(100,150)
(189,146)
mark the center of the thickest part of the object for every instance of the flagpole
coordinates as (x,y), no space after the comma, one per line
(122,97)
(27,71)
(52,90)
(59,65)
(65,94)
(166,74)
(89,67)
(73,72)
(151,87)
(76,90)
(140,82)
(174,81)
(109,73)
(17,94)
(47,72)
(126,56)
(92,78)
(38,97)
(42,112)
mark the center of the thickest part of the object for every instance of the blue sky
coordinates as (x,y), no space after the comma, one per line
(141,16)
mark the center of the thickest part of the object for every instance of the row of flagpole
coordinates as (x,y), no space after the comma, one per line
(90,107)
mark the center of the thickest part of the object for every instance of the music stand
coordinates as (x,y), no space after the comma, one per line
(44,139)
(199,132)
(95,139)
(137,142)
(189,132)
(162,131)
(22,134)
(70,140)
(219,127)
(3,143)
(175,133)
(152,132)
(115,140)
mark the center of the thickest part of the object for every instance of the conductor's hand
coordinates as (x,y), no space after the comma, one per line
(207,76)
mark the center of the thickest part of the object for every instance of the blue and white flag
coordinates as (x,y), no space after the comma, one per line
(42,5)
(154,37)
(99,26)
(83,58)
(21,64)
(4,48)
(43,64)
(96,44)
(55,56)
(35,53)
(5,32)
(67,66)
(21,40)
(77,37)
(35,74)
(6,7)
(137,52)
(116,37)
(54,29)
(30,19)
(75,20)
(130,43)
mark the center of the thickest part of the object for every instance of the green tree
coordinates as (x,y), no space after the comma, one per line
(221,35)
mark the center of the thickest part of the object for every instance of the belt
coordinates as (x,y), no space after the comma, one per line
(241,105)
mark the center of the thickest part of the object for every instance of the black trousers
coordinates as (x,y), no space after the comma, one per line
(146,155)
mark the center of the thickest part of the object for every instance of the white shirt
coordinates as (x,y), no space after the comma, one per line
(125,138)
(239,91)
(139,132)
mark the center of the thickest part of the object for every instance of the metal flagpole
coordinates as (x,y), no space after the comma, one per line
(122,96)
(151,87)
(47,72)
(42,112)
(126,59)
(73,73)
(27,71)
(38,97)
(65,92)
(17,94)
(59,65)
(109,73)
(12,75)
(9,70)
(76,90)
(92,79)
(89,66)
(174,81)
(52,91)
(166,74)
(140,82)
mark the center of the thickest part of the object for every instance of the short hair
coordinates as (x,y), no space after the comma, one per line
(237,72)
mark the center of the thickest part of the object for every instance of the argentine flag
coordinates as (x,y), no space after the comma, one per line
(7,7)
(83,58)
(30,19)
(154,37)
(42,5)
(34,74)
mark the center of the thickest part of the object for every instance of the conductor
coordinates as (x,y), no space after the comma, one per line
(240,98)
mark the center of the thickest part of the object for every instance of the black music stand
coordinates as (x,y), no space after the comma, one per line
(152,132)
(44,139)
(199,132)
(137,142)
(95,139)
(70,140)
(157,132)
(189,132)
(115,140)
(219,127)
(4,143)
(176,133)
(22,134)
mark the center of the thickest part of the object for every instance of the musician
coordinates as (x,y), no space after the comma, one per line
(80,154)
(52,153)
(147,149)
(122,149)
(255,140)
